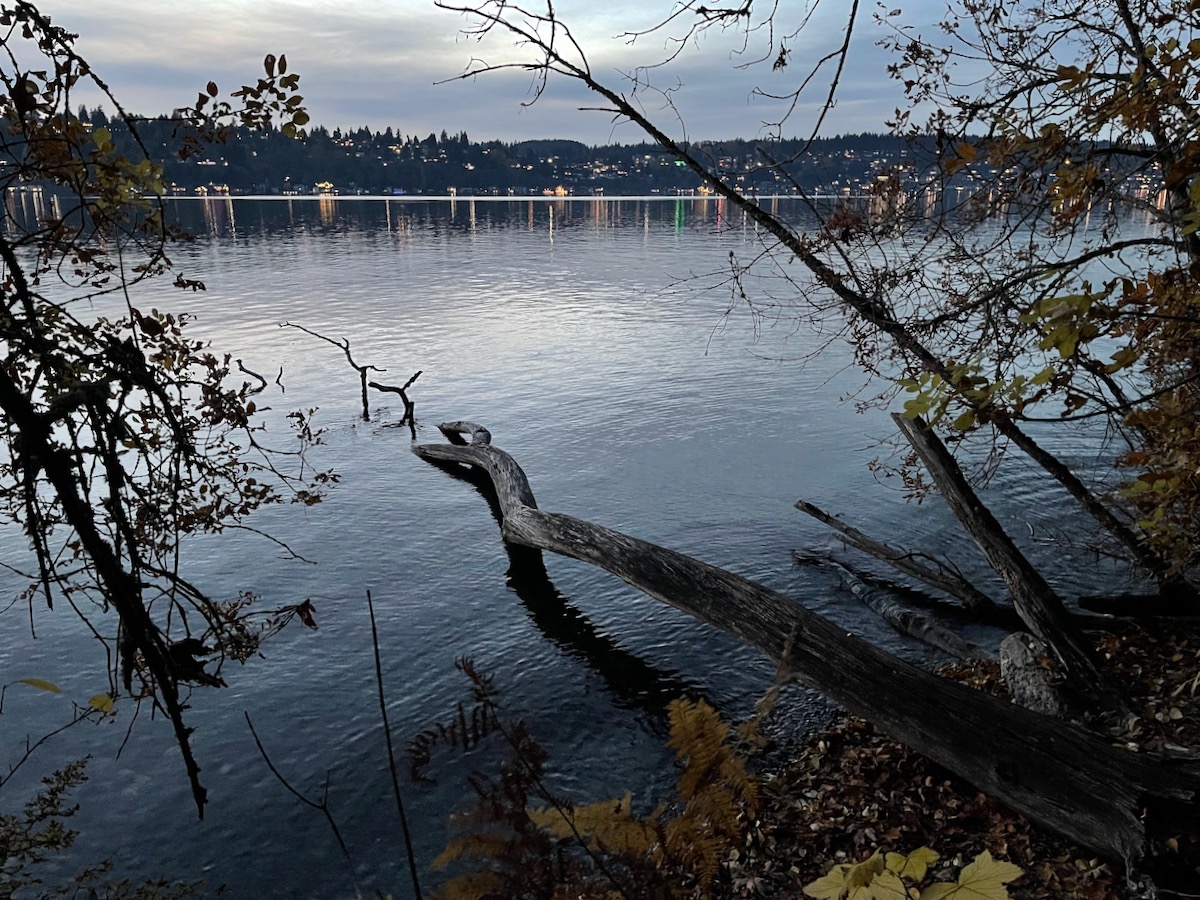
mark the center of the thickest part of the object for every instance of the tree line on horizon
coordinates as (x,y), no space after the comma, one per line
(388,162)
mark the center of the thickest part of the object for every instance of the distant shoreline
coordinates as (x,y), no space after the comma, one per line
(491,198)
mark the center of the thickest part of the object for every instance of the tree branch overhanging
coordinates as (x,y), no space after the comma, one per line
(870,306)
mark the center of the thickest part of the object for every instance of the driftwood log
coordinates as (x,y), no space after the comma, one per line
(919,566)
(907,621)
(1057,773)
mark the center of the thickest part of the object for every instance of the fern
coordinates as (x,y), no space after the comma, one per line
(466,728)
(716,791)
(700,739)
(515,849)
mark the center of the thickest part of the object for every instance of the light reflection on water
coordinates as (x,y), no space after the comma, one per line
(627,403)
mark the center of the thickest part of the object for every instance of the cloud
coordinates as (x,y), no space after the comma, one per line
(378,64)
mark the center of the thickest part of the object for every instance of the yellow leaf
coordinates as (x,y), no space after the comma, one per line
(962,423)
(830,886)
(984,879)
(1043,377)
(102,703)
(609,824)
(864,873)
(915,865)
(42,685)
(887,886)
(1122,359)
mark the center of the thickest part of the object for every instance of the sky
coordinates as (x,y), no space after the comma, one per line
(382,63)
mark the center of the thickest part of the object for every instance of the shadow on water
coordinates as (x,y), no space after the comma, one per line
(634,683)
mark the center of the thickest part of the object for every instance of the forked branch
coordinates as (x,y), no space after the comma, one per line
(344,346)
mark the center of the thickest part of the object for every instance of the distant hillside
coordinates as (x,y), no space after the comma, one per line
(386,162)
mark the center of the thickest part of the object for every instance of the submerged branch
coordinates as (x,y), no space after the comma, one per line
(937,575)
(344,346)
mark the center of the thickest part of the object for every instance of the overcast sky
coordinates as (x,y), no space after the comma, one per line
(377,63)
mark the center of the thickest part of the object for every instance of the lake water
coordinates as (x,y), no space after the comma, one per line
(592,338)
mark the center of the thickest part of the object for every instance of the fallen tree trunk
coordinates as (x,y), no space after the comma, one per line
(1035,601)
(936,576)
(999,615)
(907,621)
(1056,773)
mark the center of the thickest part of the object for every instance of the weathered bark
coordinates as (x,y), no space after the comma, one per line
(1054,772)
(1039,607)
(1029,683)
(905,561)
(907,622)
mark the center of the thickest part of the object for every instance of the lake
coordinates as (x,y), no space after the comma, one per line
(600,341)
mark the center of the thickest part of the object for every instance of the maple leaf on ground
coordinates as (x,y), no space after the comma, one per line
(983,879)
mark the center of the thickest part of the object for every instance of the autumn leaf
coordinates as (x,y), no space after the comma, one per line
(854,880)
(305,611)
(864,873)
(42,685)
(983,879)
(830,886)
(888,886)
(962,423)
(101,703)
(914,866)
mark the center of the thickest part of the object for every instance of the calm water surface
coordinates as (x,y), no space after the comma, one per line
(591,337)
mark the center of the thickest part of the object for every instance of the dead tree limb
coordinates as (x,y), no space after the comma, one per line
(344,346)
(1039,607)
(936,575)
(1000,615)
(409,406)
(262,382)
(634,682)
(905,621)
(1056,773)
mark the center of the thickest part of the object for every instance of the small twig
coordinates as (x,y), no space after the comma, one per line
(387,733)
(79,715)
(323,806)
